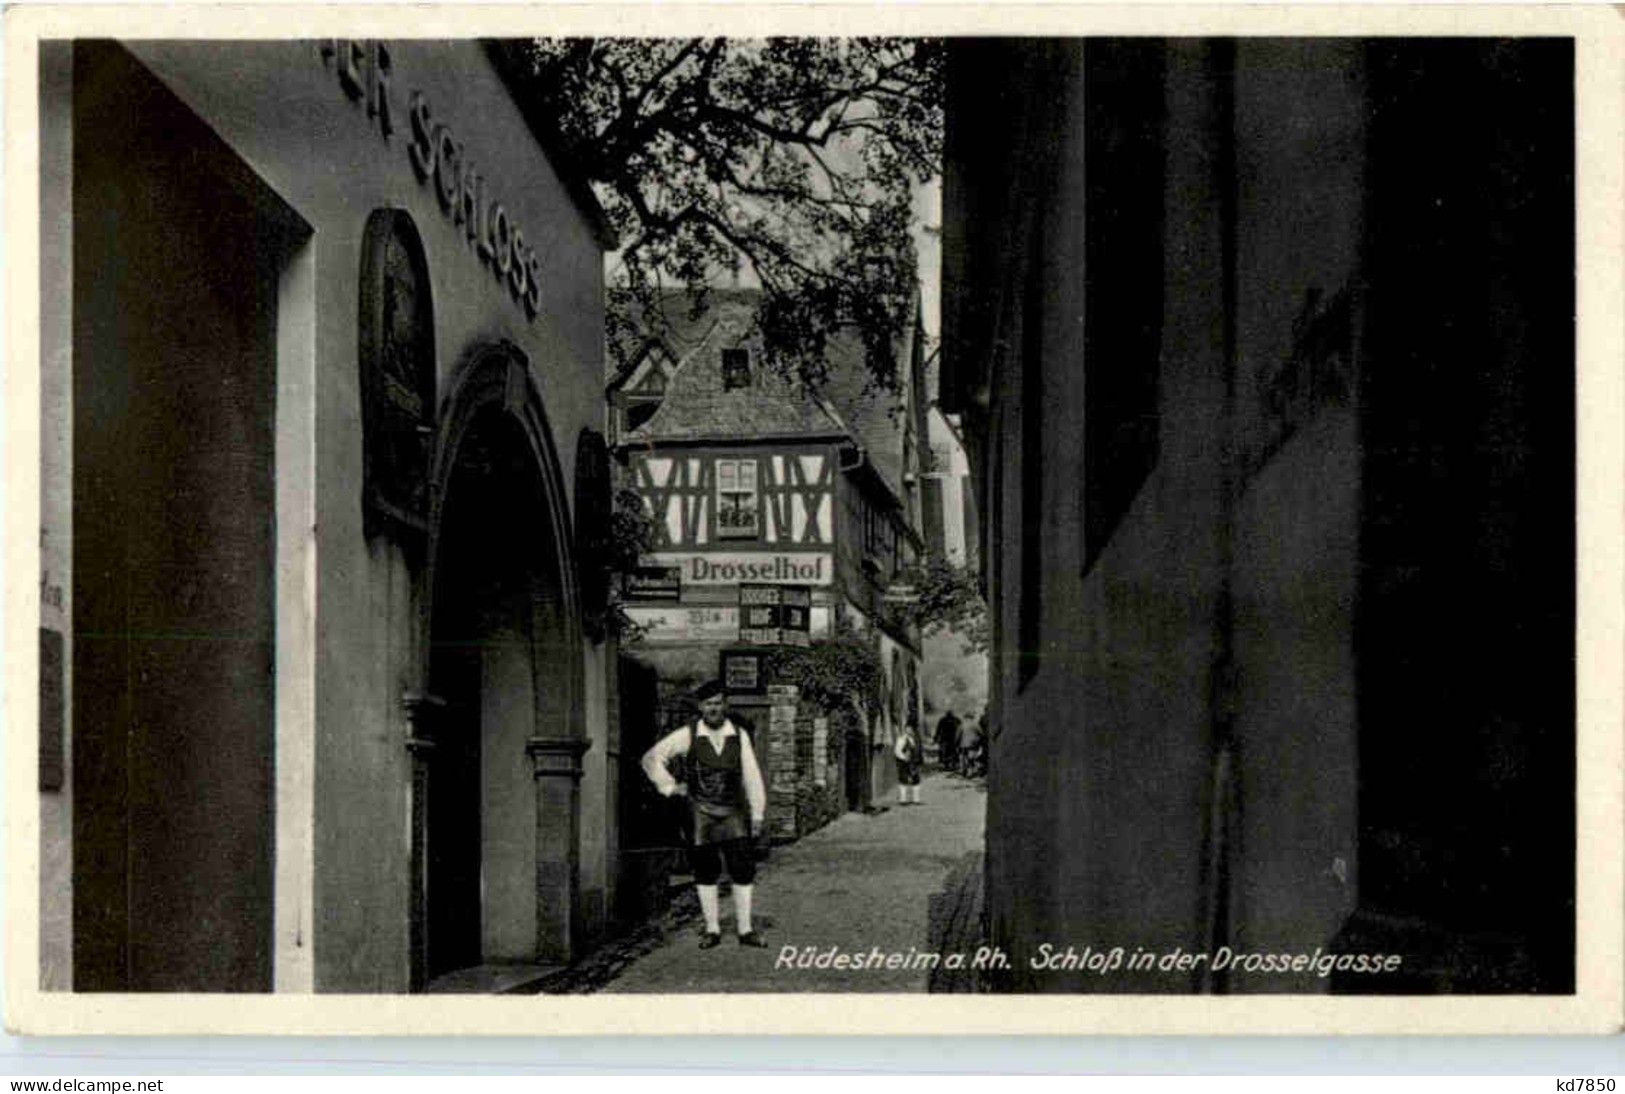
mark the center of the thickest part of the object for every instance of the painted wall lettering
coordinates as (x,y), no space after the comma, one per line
(441,161)
(365,71)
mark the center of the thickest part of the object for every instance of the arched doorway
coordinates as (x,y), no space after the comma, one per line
(496,805)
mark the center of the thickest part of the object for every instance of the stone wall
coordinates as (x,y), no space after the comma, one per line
(818,793)
(802,795)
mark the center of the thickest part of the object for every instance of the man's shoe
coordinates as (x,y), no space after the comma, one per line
(753,940)
(710,939)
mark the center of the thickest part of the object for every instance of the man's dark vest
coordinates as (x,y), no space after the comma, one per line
(716,781)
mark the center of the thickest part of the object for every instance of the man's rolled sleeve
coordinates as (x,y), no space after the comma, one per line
(656,759)
(755,791)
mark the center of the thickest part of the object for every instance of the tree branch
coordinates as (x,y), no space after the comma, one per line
(667,69)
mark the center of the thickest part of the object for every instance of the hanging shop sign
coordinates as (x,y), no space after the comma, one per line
(441,161)
(899,593)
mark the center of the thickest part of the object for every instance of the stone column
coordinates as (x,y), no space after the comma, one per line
(556,765)
(422,722)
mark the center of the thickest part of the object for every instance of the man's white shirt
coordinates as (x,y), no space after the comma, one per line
(676,744)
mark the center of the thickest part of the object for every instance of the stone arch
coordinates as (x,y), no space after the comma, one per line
(498,725)
(495,376)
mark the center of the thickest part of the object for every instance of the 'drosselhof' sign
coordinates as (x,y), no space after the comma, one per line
(713,568)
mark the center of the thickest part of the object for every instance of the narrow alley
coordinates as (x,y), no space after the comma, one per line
(861,884)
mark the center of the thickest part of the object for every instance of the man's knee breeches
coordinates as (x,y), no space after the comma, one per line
(707,860)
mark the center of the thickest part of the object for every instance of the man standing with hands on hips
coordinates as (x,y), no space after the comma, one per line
(728,799)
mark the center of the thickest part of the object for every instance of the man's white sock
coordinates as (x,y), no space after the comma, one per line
(742,907)
(708,908)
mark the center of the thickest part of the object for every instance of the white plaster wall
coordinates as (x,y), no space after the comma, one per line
(293,963)
(282,109)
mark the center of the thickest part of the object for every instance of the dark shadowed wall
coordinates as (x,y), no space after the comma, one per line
(1265,353)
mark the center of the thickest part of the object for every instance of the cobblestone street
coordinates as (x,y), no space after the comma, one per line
(862,883)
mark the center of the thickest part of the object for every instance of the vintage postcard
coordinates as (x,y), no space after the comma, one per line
(814,519)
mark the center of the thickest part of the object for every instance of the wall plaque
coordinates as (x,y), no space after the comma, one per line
(397,374)
(741,672)
(52,767)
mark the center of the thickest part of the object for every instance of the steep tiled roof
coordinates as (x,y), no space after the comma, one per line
(873,417)
(697,408)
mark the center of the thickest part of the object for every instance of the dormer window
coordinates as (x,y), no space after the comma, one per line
(735,369)
(639,411)
(645,389)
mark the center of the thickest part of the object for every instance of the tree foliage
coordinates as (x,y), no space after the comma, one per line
(836,673)
(628,535)
(950,599)
(631,531)
(792,159)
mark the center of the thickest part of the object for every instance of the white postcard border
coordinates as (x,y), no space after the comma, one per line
(1597,1006)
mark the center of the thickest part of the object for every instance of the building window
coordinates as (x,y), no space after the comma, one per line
(883,543)
(735,369)
(736,499)
(874,532)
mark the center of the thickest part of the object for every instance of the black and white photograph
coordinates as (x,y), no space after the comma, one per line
(1009,520)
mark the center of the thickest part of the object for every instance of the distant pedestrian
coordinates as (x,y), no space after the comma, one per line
(973,747)
(723,784)
(948,741)
(907,751)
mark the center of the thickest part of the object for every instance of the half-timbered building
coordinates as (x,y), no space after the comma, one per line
(753,481)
